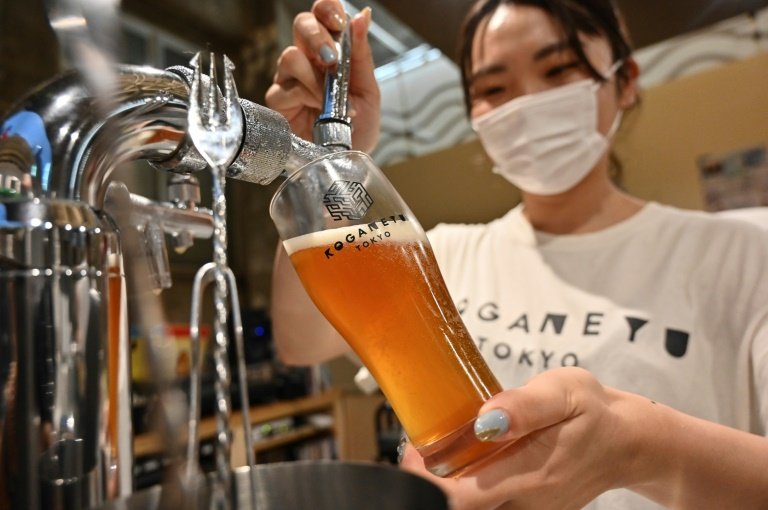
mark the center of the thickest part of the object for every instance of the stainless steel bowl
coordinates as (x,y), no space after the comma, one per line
(318,485)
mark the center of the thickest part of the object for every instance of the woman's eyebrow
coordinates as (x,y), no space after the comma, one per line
(550,49)
(486,71)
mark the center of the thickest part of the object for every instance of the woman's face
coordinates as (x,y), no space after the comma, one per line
(521,50)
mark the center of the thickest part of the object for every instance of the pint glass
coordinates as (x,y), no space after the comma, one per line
(365,261)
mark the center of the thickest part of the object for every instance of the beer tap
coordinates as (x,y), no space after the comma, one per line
(184,193)
(333,127)
(59,153)
(180,218)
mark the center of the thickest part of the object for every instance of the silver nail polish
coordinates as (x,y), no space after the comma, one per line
(491,425)
(327,55)
(401,448)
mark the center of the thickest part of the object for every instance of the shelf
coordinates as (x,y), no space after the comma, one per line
(294,436)
(352,425)
(151,443)
(299,406)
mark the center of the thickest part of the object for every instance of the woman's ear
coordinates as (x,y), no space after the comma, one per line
(629,92)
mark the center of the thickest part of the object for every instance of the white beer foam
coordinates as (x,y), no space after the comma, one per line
(400,231)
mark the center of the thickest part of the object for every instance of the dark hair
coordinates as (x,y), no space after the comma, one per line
(592,17)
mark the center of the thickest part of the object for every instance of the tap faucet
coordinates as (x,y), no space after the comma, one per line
(333,127)
(147,120)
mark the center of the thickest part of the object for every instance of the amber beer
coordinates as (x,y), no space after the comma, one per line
(378,283)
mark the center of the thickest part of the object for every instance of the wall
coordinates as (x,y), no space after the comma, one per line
(29,53)
(713,111)
(454,185)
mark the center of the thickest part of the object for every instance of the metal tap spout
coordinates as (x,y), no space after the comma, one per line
(75,138)
(333,127)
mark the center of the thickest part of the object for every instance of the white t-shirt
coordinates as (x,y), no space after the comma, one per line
(669,304)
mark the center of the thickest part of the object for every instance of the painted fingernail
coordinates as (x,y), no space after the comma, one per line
(327,55)
(367,13)
(490,425)
(340,20)
(401,448)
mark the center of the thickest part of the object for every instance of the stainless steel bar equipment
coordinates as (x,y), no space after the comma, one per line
(63,354)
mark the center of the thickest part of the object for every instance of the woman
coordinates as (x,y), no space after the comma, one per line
(650,300)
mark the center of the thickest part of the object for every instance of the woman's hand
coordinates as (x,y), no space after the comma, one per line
(573,439)
(297,88)
(569,437)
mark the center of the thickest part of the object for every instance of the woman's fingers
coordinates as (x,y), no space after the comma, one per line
(331,14)
(361,64)
(312,33)
(297,89)
(294,92)
(547,399)
(294,68)
(566,442)
(314,36)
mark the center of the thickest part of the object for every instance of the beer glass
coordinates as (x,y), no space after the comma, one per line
(366,263)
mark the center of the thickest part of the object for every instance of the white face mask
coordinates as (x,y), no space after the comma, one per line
(546,143)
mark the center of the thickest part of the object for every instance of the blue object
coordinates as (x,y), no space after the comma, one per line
(29,126)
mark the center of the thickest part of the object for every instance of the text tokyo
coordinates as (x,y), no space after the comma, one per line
(366,235)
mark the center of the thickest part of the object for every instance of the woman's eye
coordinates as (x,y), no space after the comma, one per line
(485,93)
(560,69)
(490,91)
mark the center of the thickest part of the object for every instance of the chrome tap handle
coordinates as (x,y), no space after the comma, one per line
(333,128)
(184,191)
(157,256)
(184,194)
(153,221)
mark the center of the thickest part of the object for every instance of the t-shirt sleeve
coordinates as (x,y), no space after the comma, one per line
(439,238)
(759,357)
(736,293)
(753,311)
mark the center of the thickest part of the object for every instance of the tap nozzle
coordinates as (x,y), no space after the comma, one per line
(333,127)
(184,191)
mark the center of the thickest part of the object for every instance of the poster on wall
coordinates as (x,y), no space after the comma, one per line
(735,179)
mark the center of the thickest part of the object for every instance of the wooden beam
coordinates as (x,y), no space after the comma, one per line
(183,21)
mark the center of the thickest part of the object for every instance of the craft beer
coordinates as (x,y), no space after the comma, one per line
(379,285)
(365,261)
